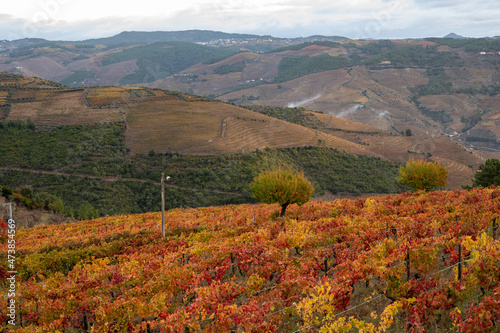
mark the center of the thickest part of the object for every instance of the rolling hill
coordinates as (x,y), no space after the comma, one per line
(446,86)
(166,121)
(427,86)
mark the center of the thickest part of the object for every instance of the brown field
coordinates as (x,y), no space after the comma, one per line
(19,94)
(398,79)
(109,95)
(257,67)
(213,128)
(344,96)
(456,105)
(308,51)
(62,108)
(490,105)
(443,102)
(480,75)
(43,94)
(379,93)
(3,96)
(244,56)
(295,92)
(44,67)
(334,124)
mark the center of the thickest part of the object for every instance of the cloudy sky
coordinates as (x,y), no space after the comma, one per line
(77,20)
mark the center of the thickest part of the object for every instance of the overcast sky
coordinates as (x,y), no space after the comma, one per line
(77,19)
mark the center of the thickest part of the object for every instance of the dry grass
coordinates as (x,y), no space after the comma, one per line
(3,96)
(213,128)
(108,95)
(333,123)
(482,76)
(61,108)
(344,96)
(19,94)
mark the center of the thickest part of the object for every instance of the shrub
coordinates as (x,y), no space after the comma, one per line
(488,174)
(282,186)
(422,175)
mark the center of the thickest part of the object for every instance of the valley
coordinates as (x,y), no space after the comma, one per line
(201,95)
(88,129)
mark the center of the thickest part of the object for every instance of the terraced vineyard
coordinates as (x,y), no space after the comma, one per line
(421,262)
(170,121)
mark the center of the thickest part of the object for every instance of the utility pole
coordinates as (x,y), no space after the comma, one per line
(163,203)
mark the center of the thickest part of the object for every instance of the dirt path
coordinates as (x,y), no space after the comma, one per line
(113,179)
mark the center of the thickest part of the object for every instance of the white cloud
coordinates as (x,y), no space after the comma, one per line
(73,20)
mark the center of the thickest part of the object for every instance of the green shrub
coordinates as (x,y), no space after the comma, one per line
(488,174)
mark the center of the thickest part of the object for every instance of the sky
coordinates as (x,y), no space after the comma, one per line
(73,20)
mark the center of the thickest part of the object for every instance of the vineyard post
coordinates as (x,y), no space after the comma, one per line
(408,264)
(163,203)
(494,227)
(85,322)
(459,261)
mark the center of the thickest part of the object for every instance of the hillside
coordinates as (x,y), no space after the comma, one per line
(166,121)
(132,56)
(418,262)
(427,86)
(86,147)
(445,86)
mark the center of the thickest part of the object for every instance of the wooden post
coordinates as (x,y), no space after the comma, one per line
(494,228)
(163,205)
(408,265)
(85,322)
(459,261)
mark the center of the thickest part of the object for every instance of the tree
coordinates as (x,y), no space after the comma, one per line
(488,174)
(422,175)
(282,186)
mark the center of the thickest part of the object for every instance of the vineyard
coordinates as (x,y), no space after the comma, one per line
(414,262)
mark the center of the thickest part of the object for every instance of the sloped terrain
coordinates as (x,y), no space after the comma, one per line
(435,85)
(428,261)
(163,121)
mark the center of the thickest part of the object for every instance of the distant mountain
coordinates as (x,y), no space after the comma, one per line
(321,37)
(145,37)
(454,35)
(19,43)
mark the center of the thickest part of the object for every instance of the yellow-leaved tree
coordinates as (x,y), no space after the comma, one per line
(285,187)
(422,175)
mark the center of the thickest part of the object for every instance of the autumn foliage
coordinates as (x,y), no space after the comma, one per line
(423,175)
(335,266)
